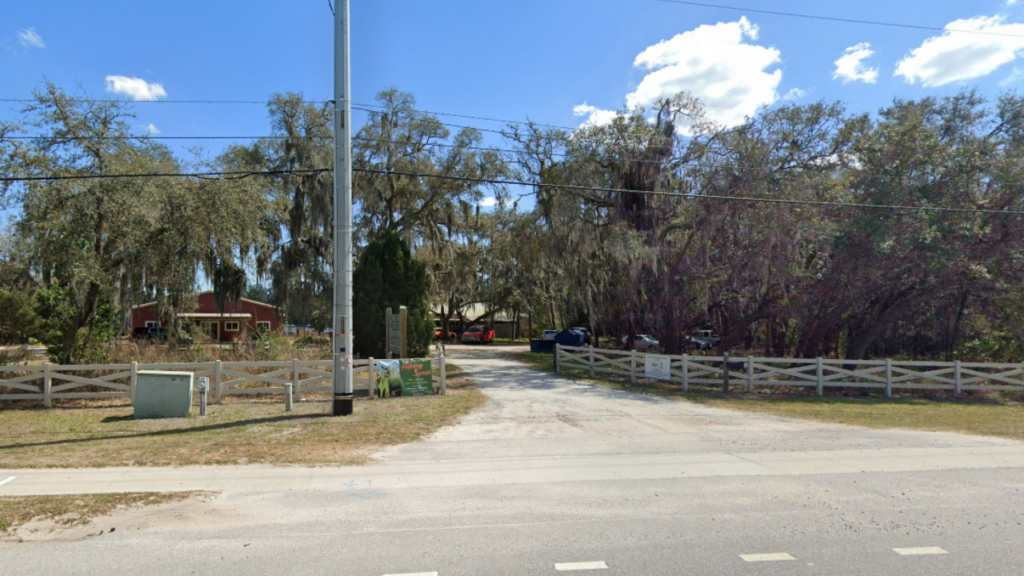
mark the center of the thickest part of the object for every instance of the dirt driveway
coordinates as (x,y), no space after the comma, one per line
(531,413)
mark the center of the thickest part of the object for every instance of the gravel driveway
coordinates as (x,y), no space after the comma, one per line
(531,413)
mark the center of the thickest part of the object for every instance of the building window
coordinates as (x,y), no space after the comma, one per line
(231,326)
(262,328)
(152,324)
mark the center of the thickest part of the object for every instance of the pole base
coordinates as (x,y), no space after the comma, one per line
(342,405)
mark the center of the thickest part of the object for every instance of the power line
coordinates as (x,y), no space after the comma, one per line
(500,181)
(838,19)
(695,196)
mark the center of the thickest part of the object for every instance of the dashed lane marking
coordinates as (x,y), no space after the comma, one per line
(2,482)
(414,574)
(570,566)
(773,557)
(923,551)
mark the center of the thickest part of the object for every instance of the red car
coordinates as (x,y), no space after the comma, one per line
(479,334)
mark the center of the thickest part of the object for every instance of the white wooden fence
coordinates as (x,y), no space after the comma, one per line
(749,371)
(50,382)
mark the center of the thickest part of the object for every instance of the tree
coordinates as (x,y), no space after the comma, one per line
(388,276)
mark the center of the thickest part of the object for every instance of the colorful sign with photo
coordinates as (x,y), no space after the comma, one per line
(407,377)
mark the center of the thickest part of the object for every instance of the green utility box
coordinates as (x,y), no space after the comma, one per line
(163,394)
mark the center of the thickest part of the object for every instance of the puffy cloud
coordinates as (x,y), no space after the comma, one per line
(151,129)
(715,63)
(595,116)
(31,39)
(850,66)
(135,88)
(955,57)
(795,94)
(488,202)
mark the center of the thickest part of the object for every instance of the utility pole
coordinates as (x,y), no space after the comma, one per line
(342,329)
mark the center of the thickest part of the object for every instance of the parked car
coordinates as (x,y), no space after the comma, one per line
(642,342)
(708,336)
(549,335)
(438,332)
(291,329)
(151,333)
(699,344)
(588,338)
(479,334)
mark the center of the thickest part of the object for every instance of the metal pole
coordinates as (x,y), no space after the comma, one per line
(342,329)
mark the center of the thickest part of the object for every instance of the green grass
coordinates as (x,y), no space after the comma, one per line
(76,510)
(240,431)
(987,414)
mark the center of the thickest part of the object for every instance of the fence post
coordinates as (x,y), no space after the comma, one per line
(958,377)
(373,376)
(592,373)
(725,372)
(133,379)
(296,378)
(820,376)
(750,373)
(444,376)
(47,394)
(216,380)
(632,367)
(686,372)
(888,378)
(558,352)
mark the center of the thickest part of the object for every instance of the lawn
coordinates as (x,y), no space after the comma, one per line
(240,431)
(77,509)
(988,414)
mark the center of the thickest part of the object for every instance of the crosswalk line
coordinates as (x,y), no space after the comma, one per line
(922,551)
(771,557)
(570,566)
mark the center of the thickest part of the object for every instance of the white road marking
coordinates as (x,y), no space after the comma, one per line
(2,482)
(414,574)
(919,551)
(773,557)
(570,566)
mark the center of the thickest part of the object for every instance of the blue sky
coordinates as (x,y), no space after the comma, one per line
(514,59)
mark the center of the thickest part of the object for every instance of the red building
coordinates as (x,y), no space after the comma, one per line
(238,321)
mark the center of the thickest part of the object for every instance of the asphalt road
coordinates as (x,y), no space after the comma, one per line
(623,513)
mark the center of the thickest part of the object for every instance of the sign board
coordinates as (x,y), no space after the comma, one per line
(407,377)
(657,367)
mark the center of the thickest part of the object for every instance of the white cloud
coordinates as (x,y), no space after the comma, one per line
(851,68)
(713,63)
(151,129)
(795,94)
(956,57)
(488,202)
(135,88)
(595,116)
(31,39)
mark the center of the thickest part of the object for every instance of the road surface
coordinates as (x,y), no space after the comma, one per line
(553,477)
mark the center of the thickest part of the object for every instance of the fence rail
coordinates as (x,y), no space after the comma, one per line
(817,373)
(49,382)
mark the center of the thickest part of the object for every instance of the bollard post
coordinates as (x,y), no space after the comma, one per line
(725,372)
(133,379)
(686,372)
(444,378)
(819,373)
(47,385)
(888,378)
(216,381)
(373,376)
(288,396)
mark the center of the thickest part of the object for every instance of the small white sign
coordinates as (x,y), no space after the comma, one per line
(657,367)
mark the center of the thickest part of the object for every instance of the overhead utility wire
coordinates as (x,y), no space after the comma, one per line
(240,175)
(839,19)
